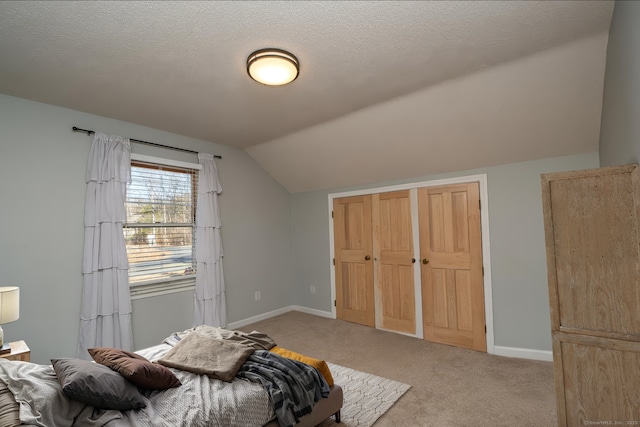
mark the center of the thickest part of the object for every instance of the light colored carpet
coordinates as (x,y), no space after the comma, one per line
(450,387)
(366,396)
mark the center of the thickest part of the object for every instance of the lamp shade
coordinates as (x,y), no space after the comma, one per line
(9,304)
(273,67)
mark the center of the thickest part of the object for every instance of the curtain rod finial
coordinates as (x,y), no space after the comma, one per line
(77,129)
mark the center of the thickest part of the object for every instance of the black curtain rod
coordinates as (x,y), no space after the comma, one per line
(89,132)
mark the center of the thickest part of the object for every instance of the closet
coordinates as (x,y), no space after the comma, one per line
(374,261)
(383,282)
(593,265)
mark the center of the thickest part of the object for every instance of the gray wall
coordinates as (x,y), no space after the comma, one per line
(42,170)
(518,257)
(274,242)
(620,127)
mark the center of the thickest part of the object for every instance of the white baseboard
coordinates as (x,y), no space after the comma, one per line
(524,353)
(265,316)
(321,313)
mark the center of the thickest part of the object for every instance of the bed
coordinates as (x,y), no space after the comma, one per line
(203,376)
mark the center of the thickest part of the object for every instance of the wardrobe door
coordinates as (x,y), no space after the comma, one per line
(353,259)
(394,262)
(451,265)
(593,263)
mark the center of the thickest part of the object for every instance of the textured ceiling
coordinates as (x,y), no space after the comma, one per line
(180,66)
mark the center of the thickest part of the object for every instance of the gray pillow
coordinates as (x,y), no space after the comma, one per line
(96,385)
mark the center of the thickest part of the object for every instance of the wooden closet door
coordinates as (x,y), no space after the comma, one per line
(353,259)
(393,253)
(451,265)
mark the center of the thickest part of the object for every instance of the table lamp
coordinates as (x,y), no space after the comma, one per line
(9,311)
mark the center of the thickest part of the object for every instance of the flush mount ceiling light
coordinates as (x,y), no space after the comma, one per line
(273,67)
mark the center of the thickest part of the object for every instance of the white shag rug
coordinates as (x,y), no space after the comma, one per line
(366,397)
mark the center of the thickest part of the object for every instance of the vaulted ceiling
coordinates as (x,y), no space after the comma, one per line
(387,89)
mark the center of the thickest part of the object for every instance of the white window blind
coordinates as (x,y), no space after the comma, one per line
(160,229)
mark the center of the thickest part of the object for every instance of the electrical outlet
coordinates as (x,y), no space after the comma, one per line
(312,289)
(258,296)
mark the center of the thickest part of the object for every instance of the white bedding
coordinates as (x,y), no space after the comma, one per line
(200,401)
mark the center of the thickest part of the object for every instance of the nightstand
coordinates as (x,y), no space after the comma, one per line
(19,351)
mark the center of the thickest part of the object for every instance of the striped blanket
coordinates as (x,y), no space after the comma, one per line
(294,387)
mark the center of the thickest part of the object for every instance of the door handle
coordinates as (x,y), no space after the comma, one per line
(367,258)
(413,260)
(425,261)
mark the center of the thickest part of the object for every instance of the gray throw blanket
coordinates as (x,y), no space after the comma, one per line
(294,387)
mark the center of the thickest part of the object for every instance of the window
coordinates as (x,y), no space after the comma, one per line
(160,227)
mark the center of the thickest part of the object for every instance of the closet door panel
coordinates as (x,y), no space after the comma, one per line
(436,297)
(353,260)
(451,265)
(464,306)
(393,249)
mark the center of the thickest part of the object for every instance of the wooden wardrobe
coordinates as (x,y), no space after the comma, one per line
(593,262)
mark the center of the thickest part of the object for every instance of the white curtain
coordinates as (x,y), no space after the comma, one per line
(105,316)
(210,306)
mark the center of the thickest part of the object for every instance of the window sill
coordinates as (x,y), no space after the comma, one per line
(156,289)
